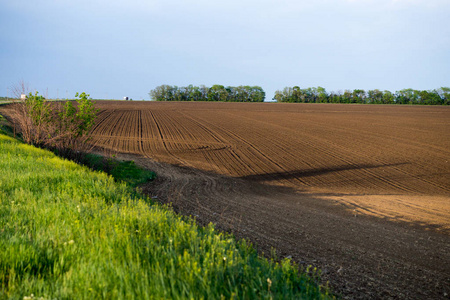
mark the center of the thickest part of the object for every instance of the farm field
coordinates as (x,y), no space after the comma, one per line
(384,161)
(360,191)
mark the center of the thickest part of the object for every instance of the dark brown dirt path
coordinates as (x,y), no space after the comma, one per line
(362,257)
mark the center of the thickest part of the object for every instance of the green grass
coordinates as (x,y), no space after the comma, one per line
(122,171)
(67,232)
(5,126)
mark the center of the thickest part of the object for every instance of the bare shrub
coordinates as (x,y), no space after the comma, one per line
(19,89)
(32,118)
(64,127)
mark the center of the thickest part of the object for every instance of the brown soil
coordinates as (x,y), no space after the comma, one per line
(380,160)
(359,191)
(361,257)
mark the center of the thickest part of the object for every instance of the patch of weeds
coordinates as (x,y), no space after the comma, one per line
(5,127)
(126,171)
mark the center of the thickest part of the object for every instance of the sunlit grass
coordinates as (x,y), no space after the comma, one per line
(67,232)
(122,171)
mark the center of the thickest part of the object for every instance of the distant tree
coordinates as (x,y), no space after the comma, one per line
(439,96)
(296,94)
(322,95)
(430,98)
(161,93)
(278,96)
(189,91)
(258,94)
(217,93)
(388,97)
(359,96)
(374,96)
(407,96)
(444,93)
(347,96)
(202,93)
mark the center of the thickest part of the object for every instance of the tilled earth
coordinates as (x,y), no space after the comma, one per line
(362,257)
(361,192)
(386,161)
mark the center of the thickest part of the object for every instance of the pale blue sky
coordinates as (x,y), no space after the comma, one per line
(126,48)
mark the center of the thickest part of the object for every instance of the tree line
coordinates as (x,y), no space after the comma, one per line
(295,94)
(202,93)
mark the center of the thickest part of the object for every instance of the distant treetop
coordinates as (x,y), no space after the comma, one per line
(202,93)
(295,94)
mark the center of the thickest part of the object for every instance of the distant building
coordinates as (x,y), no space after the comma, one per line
(23,96)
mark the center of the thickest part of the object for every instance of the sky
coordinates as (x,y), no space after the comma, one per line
(112,49)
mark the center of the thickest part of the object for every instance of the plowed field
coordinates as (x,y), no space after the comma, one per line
(372,155)
(360,191)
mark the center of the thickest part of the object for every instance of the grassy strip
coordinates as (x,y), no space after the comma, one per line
(69,232)
(122,171)
(5,126)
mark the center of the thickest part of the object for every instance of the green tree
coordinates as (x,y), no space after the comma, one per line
(359,96)
(444,93)
(322,95)
(257,94)
(388,97)
(347,96)
(374,96)
(407,96)
(278,96)
(217,93)
(161,93)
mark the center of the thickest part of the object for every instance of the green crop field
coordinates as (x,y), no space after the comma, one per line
(67,232)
